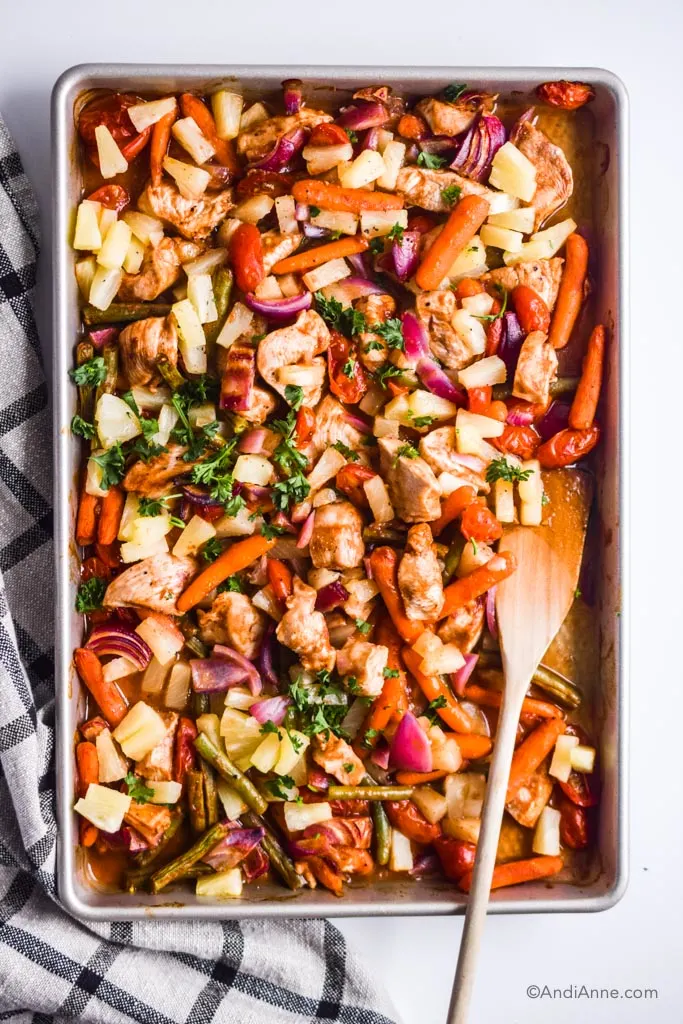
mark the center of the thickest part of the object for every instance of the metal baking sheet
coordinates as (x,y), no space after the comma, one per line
(394,897)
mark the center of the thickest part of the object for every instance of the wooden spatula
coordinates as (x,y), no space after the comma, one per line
(531,606)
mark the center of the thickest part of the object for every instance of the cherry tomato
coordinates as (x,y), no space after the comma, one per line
(567,95)
(209,513)
(520,441)
(580,789)
(411,126)
(456,856)
(497,411)
(531,310)
(420,222)
(479,523)
(94,568)
(184,754)
(269,183)
(112,111)
(405,816)
(573,825)
(304,427)
(110,554)
(114,197)
(350,480)
(328,135)
(246,253)
(567,446)
(479,399)
(280,579)
(494,336)
(348,379)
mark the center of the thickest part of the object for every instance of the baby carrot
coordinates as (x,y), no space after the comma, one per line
(478,582)
(585,404)
(392,699)
(303,261)
(110,515)
(517,871)
(454,505)
(86,522)
(529,754)
(411,126)
(237,557)
(348,200)
(461,226)
(468,287)
(417,778)
(106,695)
(384,564)
(434,687)
(193,107)
(88,766)
(161,136)
(474,746)
(494,699)
(570,294)
(280,579)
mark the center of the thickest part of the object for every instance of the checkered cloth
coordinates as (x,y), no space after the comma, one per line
(52,966)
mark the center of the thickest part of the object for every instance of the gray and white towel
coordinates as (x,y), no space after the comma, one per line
(52,966)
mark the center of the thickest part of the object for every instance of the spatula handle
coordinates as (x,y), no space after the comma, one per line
(492,816)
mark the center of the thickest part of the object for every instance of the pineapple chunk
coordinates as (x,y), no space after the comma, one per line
(87,235)
(485,372)
(238,323)
(401,854)
(366,168)
(103,807)
(112,161)
(140,731)
(195,535)
(93,479)
(221,885)
(471,262)
(134,256)
(285,209)
(252,210)
(149,230)
(144,114)
(374,223)
(346,223)
(471,330)
(233,804)
(300,816)
(164,792)
(267,753)
(546,841)
(253,469)
(241,733)
(85,272)
(200,294)
(521,219)
(187,132)
(582,758)
(115,246)
(162,636)
(320,159)
(504,498)
(378,499)
(191,181)
(192,340)
(512,172)
(210,725)
(561,763)
(107,218)
(292,748)
(113,766)
(253,115)
(105,285)
(393,156)
(115,421)
(543,244)
(227,111)
(501,238)
(328,273)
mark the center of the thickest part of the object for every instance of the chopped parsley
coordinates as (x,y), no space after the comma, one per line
(269,727)
(362,626)
(391,673)
(296,742)
(353,136)
(385,372)
(212,550)
(406,451)
(453,92)
(112,464)
(368,737)
(431,160)
(352,684)
(347,452)
(373,346)
(215,472)
(346,320)
(349,367)
(287,455)
(82,428)
(314,211)
(154,506)
(294,395)
(291,491)
(89,595)
(433,707)
(577,593)
(89,374)
(392,332)
(451,194)
(348,767)
(376,245)
(282,787)
(396,233)
(137,789)
(233,585)
(270,531)
(501,469)
(490,317)
(545,500)
(322,707)
(423,421)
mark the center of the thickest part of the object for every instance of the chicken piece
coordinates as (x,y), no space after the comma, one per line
(438,450)
(436,310)
(300,344)
(338,758)
(331,426)
(424,188)
(554,179)
(453,118)
(355,832)
(372,348)
(419,575)
(150,820)
(463,628)
(277,246)
(351,861)
(337,538)
(362,664)
(192,218)
(155,478)
(327,875)
(536,368)
(91,729)
(530,799)
(304,630)
(142,344)
(233,620)
(543,276)
(258,141)
(261,405)
(303,868)
(413,488)
(155,582)
(158,764)
(160,270)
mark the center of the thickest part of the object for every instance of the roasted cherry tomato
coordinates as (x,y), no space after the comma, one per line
(573,825)
(114,197)
(494,336)
(328,135)
(456,856)
(348,379)
(580,789)
(94,568)
(520,441)
(479,399)
(566,95)
(246,253)
(269,183)
(478,523)
(567,446)
(111,111)
(531,310)
(419,221)
(305,426)
(405,816)
(184,753)
(110,554)
(410,126)
(280,579)
(350,480)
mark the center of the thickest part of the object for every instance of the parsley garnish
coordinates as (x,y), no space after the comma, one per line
(386,371)
(433,707)
(89,374)
(376,245)
(348,767)
(450,194)
(373,346)
(281,787)
(291,491)
(296,742)
(233,585)
(82,428)
(112,464)
(577,593)
(137,789)
(368,737)
(270,531)
(318,714)
(89,595)
(212,549)
(431,161)
(453,92)
(490,317)
(347,452)
(346,320)
(349,367)
(294,395)
(545,500)
(269,727)
(392,332)
(353,136)
(215,473)
(501,469)
(287,455)
(154,506)
(406,451)
(423,421)
(314,211)
(396,233)
(391,673)
(362,626)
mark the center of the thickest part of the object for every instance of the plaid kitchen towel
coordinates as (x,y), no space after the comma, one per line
(52,966)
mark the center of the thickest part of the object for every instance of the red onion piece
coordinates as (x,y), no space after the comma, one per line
(278,309)
(317,845)
(127,838)
(437,144)
(331,596)
(371,140)
(459,678)
(286,524)
(103,336)
(292,95)
(251,442)
(112,638)
(197,496)
(510,343)
(286,147)
(306,531)
(520,417)
(381,754)
(479,147)
(357,422)
(237,380)
(425,864)
(273,709)
(415,337)
(438,382)
(314,231)
(223,652)
(253,492)
(255,864)
(211,675)
(266,656)
(361,286)
(302,211)
(555,419)
(406,254)
(410,748)
(363,114)
(318,779)
(491,621)
(233,848)
(342,831)
(358,262)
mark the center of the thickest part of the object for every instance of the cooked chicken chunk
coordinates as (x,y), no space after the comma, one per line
(451,346)
(351,861)
(304,630)
(419,575)
(554,179)
(299,344)
(192,218)
(543,276)
(155,478)
(463,628)
(158,764)
(362,664)
(233,620)
(536,368)
(160,270)
(412,485)
(262,404)
(530,799)
(424,188)
(372,348)
(337,538)
(338,758)
(277,246)
(155,582)
(257,142)
(331,426)
(150,820)
(452,118)
(142,344)
(438,450)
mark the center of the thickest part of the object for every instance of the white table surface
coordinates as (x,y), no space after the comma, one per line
(638,943)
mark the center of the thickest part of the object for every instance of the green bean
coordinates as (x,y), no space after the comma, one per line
(124,312)
(231,773)
(197,647)
(195,800)
(278,858)
(210,793)
(382,833)
(177,868)
(84,353)
(138,879)
(561,386)
(171,374)
(452,560)
(222,290)
(545,678)
(370,792)
(200,704)
(147,857)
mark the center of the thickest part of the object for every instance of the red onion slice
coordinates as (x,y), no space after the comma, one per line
(266,656)
(460,677)
(251,442)
(357,422)
(425,864)
(410,748)
(233,848)
(361,286)
(438,382)
(406,255)
(381,754)
(292,95)
(555,419)
(286,147)
(491,621)
(279,309)
(415,337)
(306,531)
(273,709)
(358,262)
(224,669)
(371,140)
(196,496)
(520,417)
(479,147)
(363,114)
(113,638)
(103,336)
(314,231)
(510,342)
(331,596)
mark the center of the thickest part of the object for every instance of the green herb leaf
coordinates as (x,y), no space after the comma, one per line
(396,233)
(294,395)
(89,595)
(490,317)
(385,372)
(347,321)
(431,161)
(431,710)
(89,374)
(501,469)
(362,626)
(281,787)
(270,531)
(291,491)
(349,367)
(269,727)
(392,332)
(347,452)
(368,737)
(376,245)
(137,789)
(233,585)
(391,673)
(212,549)
(353,136)
(453,92)
(423,421)
(451,194)
(314,211)
(82,428)
(112,464)
(406,451)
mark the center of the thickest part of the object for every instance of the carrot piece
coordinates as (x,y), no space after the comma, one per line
(88,765)
(434,687)
(237,557)
(532,752)
(468,287)
(384,565)
(161,136)
(478,582)
(107,695)
(193,107)
(570,294)
(494,699)
(303,261)
(418,778)
(454,505)
(461,226)
(392,700)
(479,399)
(474,746)
(585,404)
(110,515)
(88,834)
(86,520)
(411,126)
(347,200)
(280,579)
(517,871)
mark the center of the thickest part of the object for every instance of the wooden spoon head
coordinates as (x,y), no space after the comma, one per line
(532,604)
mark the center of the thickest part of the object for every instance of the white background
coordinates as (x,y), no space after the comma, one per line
(638,943)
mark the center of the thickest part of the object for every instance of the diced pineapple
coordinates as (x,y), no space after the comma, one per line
(485,426)
(192,341)
(178,689)
(241,733)
(148,229)
(442,661)
(521,219)
(546,841)
(118,668)
(582,758)
(531,494)
(504,498)
(346,223)
(432,804)
(140,731)
(144,114)
(103,807)
(561,764)
(200,294)
(302,375)
(154,677)
(484,372)
(285,210)
(393,155)
(115,420)
(253,115)
(384,137)
(300,816)
(385,428)
(328,273)
(378,499)
(512,172)
(131,552)
(401,852)
(327,466)
(253,469)
(320,159)
(105,285)
(195,535)
(269,288)
(543,244)
(470,330)
(112,765)
(254,209)
(471,262)
(164,792)
(266,754)
(134,256)
(112,161)
(478,305)
(227,111)
(206,263)
(233,804)
(501,202)
(473,557)
(210,725)
(240,697)
(201,415)
(375,223)
(191,181)
(107,218)
(115,246)
(289,285)
(162,635)
(293,746)
(221,885)
(87,234)
(239,321)
(470,431)
(93,478)
(501,238)
(85,272)
(189,135)
(366,168)
(465,794)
